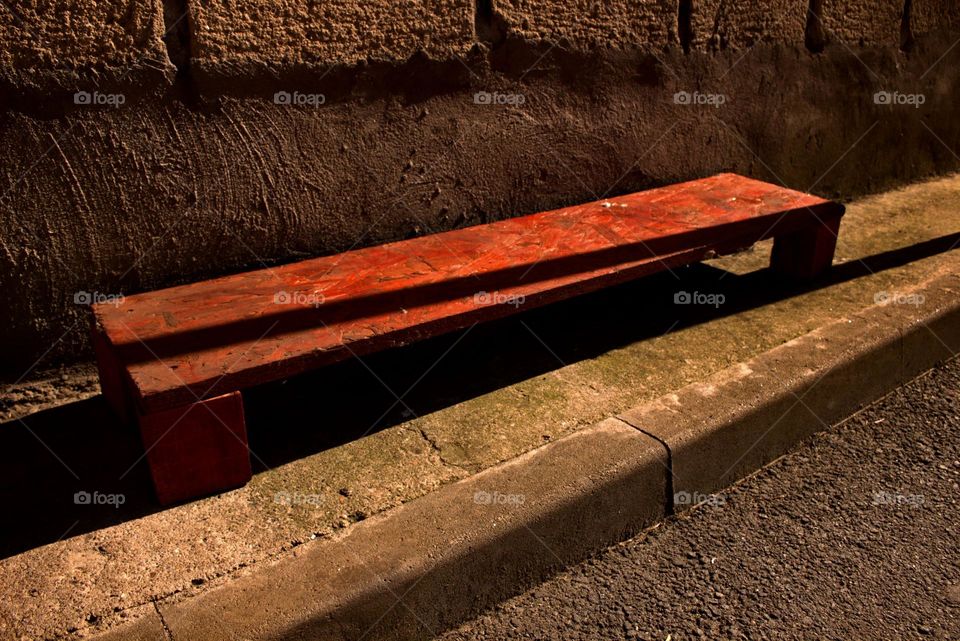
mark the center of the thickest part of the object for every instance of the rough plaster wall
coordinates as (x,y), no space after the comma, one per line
(268,32)
(206,174)
(721,24)
(48,44)
(864,22)
(592,23)
(36,33)
(930,15)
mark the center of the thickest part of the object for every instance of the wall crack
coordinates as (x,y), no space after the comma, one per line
(685,24)
(815,37)
(489,26)
(176,34)
(906,28)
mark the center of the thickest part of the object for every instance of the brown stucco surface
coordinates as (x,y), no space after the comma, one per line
(865,22)
(604,25)
(929,15)
(719,24)
(336,32)
(66,42)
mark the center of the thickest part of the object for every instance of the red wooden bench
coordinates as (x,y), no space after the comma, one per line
(175,360)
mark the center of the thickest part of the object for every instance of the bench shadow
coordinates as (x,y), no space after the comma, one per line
(48,457)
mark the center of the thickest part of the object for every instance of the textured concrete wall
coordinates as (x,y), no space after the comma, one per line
(719,24)
(930,15)
(60,35)
(149,144)
(270,33)
(864,22)
(614,23)
(49,50)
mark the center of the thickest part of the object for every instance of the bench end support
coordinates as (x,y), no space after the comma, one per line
(197,449)
(807,253)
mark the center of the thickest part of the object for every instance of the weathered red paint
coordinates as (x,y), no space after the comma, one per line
(197,449)
(218,336)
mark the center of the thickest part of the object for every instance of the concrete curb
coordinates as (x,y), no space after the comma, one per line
(436,561)
(727,427)
(447,555)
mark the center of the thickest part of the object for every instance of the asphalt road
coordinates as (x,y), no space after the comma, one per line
(853,536)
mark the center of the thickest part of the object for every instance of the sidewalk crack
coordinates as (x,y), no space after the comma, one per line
(167,634)
(436,449)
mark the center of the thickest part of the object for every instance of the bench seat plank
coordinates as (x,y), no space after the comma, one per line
(206,339)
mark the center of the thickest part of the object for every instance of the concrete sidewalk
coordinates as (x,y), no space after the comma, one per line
(811,547)
(430,414)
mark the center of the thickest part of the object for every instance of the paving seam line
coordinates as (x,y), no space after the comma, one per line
(668,501)
(739,420)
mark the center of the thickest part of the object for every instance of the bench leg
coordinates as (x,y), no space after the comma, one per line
(197,449)
(806,253)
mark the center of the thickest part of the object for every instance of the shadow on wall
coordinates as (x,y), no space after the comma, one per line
(53,461)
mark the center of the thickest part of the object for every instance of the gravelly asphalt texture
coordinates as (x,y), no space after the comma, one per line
(853,536)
